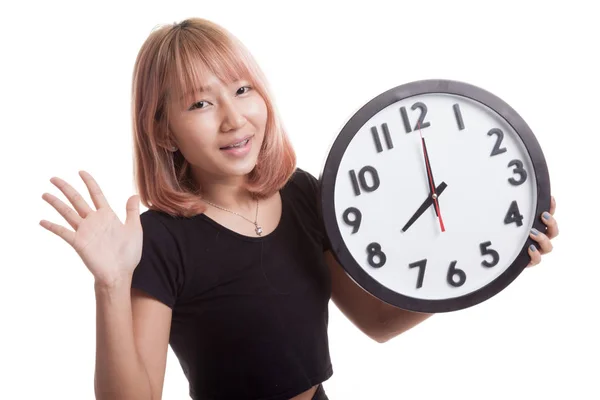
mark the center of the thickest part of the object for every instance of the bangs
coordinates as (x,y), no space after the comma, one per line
(195,55)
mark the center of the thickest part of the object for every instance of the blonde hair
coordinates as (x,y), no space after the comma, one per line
(169,65)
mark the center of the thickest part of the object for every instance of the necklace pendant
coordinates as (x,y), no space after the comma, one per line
(258,230)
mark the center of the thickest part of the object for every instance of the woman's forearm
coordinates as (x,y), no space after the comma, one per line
(393,321)
(119,373)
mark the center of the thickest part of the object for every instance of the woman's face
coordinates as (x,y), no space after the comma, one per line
(222,114)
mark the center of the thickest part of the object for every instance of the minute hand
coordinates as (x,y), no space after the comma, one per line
(428,202)
(431,183)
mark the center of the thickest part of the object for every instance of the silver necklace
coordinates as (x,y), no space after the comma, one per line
(257,228)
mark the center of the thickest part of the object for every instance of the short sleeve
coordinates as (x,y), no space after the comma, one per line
(160,271)
(314,188)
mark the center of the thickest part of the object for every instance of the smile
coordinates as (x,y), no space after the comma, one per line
(239,149)
(236,145)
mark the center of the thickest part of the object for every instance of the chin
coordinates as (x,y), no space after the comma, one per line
(241,168)
(242,171)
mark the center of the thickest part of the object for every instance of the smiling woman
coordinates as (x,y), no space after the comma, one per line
(230,265)
(246,311)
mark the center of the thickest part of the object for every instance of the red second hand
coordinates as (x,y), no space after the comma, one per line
(429,174)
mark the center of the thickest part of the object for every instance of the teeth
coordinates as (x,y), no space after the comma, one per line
(240,144)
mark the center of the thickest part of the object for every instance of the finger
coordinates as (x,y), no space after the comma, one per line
(552,225)
(67,212)
(94,189)
(133,210)
(67,235)
(74,197)
(535,256)
(552,205)
(542,239)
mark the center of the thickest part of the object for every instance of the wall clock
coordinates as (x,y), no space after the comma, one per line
(429,192)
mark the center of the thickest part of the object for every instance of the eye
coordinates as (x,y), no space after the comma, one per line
(199,105)
(244,91)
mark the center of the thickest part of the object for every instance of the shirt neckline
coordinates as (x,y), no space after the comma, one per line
(238,235)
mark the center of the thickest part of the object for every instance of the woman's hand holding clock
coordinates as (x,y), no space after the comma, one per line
(544,239)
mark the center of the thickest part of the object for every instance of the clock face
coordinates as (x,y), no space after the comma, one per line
(388,231)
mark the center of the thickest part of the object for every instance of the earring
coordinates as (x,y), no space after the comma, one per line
(173,149)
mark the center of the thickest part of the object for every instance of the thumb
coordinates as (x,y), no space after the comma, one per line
(133,210)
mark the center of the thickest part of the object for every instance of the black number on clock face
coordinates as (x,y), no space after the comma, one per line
(421,265)
(420,123)
(518,170)
(486,251)
(386,135)
(361,182)
(500,136)
(356,218)
(458,115)
(376,257)
(513,214)
(456,277)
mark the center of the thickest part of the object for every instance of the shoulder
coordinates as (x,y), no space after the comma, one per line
(161,228)
(155,221)
(306,199)
(160,271)
(303,189)
(304,181)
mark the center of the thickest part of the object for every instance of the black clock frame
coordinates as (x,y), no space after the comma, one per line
(330,170)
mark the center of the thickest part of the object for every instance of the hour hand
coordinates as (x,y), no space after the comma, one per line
(428,202)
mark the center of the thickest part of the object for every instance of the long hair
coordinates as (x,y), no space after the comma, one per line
(170,64)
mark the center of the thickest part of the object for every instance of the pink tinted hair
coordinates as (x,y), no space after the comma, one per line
(170,64)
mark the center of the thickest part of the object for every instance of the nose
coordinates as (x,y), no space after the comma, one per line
(233,118)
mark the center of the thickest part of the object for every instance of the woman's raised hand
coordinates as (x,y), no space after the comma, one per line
(110,249)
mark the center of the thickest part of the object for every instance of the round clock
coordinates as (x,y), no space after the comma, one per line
(429,192)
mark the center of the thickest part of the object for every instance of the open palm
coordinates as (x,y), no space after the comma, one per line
(110,249)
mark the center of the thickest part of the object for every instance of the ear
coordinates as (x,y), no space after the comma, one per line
(171,144)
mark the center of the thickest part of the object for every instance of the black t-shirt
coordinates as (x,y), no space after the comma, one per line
(250,314)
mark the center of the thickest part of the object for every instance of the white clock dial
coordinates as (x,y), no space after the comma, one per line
(476,154)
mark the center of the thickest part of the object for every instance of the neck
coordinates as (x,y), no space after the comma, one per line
(227,192)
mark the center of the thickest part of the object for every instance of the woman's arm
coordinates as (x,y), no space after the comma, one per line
(131,344)
(377,319)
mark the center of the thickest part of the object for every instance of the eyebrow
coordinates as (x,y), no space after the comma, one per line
(204,89)
(200,89)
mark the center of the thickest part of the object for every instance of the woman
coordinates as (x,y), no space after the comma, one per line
(230,265)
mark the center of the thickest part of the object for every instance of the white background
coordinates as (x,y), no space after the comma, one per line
(65,95)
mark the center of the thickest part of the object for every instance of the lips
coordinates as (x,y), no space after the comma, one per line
(237,142)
